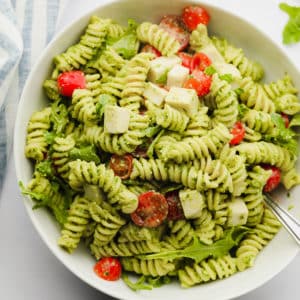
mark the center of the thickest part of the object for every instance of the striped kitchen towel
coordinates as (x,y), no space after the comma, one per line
(26,26)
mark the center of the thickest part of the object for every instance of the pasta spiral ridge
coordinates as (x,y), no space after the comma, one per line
(217,204)
(226,102)
(82,172)
(290,178)
(60,155)
(135,71)
(199,38)
(36,143)
(255,97)
(268,153)
(149,267)
(125,249)
(207,270)
(199,124)
(216,175)
(197,147)
(79,54)
(83,107)
(236,56)
(254,243)
(108,223)
(75,225)
(158,38)
(51,89)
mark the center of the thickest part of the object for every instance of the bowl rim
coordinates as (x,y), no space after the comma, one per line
(28,206)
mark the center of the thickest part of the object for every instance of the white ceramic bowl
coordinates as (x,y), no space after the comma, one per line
(257,46)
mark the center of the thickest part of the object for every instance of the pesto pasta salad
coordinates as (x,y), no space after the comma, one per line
(156,148)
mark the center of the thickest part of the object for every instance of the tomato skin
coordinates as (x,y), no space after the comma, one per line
(175,211)
(194,15)
(200,61)
(200,82)
(108,268)
(273,180)
(286,120)
(238,132)
(121,165)
(69,81)
(152,210)
(175,27)
(150,49)
(186,59)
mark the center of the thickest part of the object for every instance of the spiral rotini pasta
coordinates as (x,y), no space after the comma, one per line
(157,37)
(141,169)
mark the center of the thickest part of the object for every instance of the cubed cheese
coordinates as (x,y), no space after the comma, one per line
(155,94)
(160,67)
(177,76)
(192,203)
(182,98)
(212,52)
(237,213)
(116,119)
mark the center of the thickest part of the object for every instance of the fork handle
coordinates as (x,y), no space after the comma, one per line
(289,222)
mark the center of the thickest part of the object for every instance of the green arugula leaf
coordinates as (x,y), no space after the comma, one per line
(291,31)
(210,70)
(226,77)
(87,153)
(199,251)
(127,45)
(138,285)
(45,168)
(59,117)
(104,99)
(281,135)
(243,109)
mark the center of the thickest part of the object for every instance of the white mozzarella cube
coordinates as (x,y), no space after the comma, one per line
(177,76)
(192,203)
(237,213)
(155,94)
(116,119)
(214,55)
(182,98)
(160,67)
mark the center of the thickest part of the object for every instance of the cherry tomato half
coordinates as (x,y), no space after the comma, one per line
(238,132)
(121,165)
(200,82)
(194,15)
(186,59)
(200,61)
(150,49)
(152,210)
(176,28)
(108,268)
(273,180)
(69,81)
(175,211)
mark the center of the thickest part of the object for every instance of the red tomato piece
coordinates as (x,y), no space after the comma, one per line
(200,82)
(121,165)
(238,132)
(286,120)
(186,59)
(273,180)
(108,268)
(69,81)
(175,211)
(194,15)
(200,61)
(150,49)
(152,210)
(176,28)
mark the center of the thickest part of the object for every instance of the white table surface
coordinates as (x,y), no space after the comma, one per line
(28,270)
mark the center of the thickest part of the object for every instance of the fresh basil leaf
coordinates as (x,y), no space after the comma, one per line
(104,99)
(226,77)
(210,70)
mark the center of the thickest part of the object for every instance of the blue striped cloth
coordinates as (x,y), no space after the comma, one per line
(26,26)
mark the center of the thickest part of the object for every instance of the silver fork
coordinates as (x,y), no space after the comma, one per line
(288,221)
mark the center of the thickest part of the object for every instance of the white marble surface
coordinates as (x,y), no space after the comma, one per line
(28,270)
